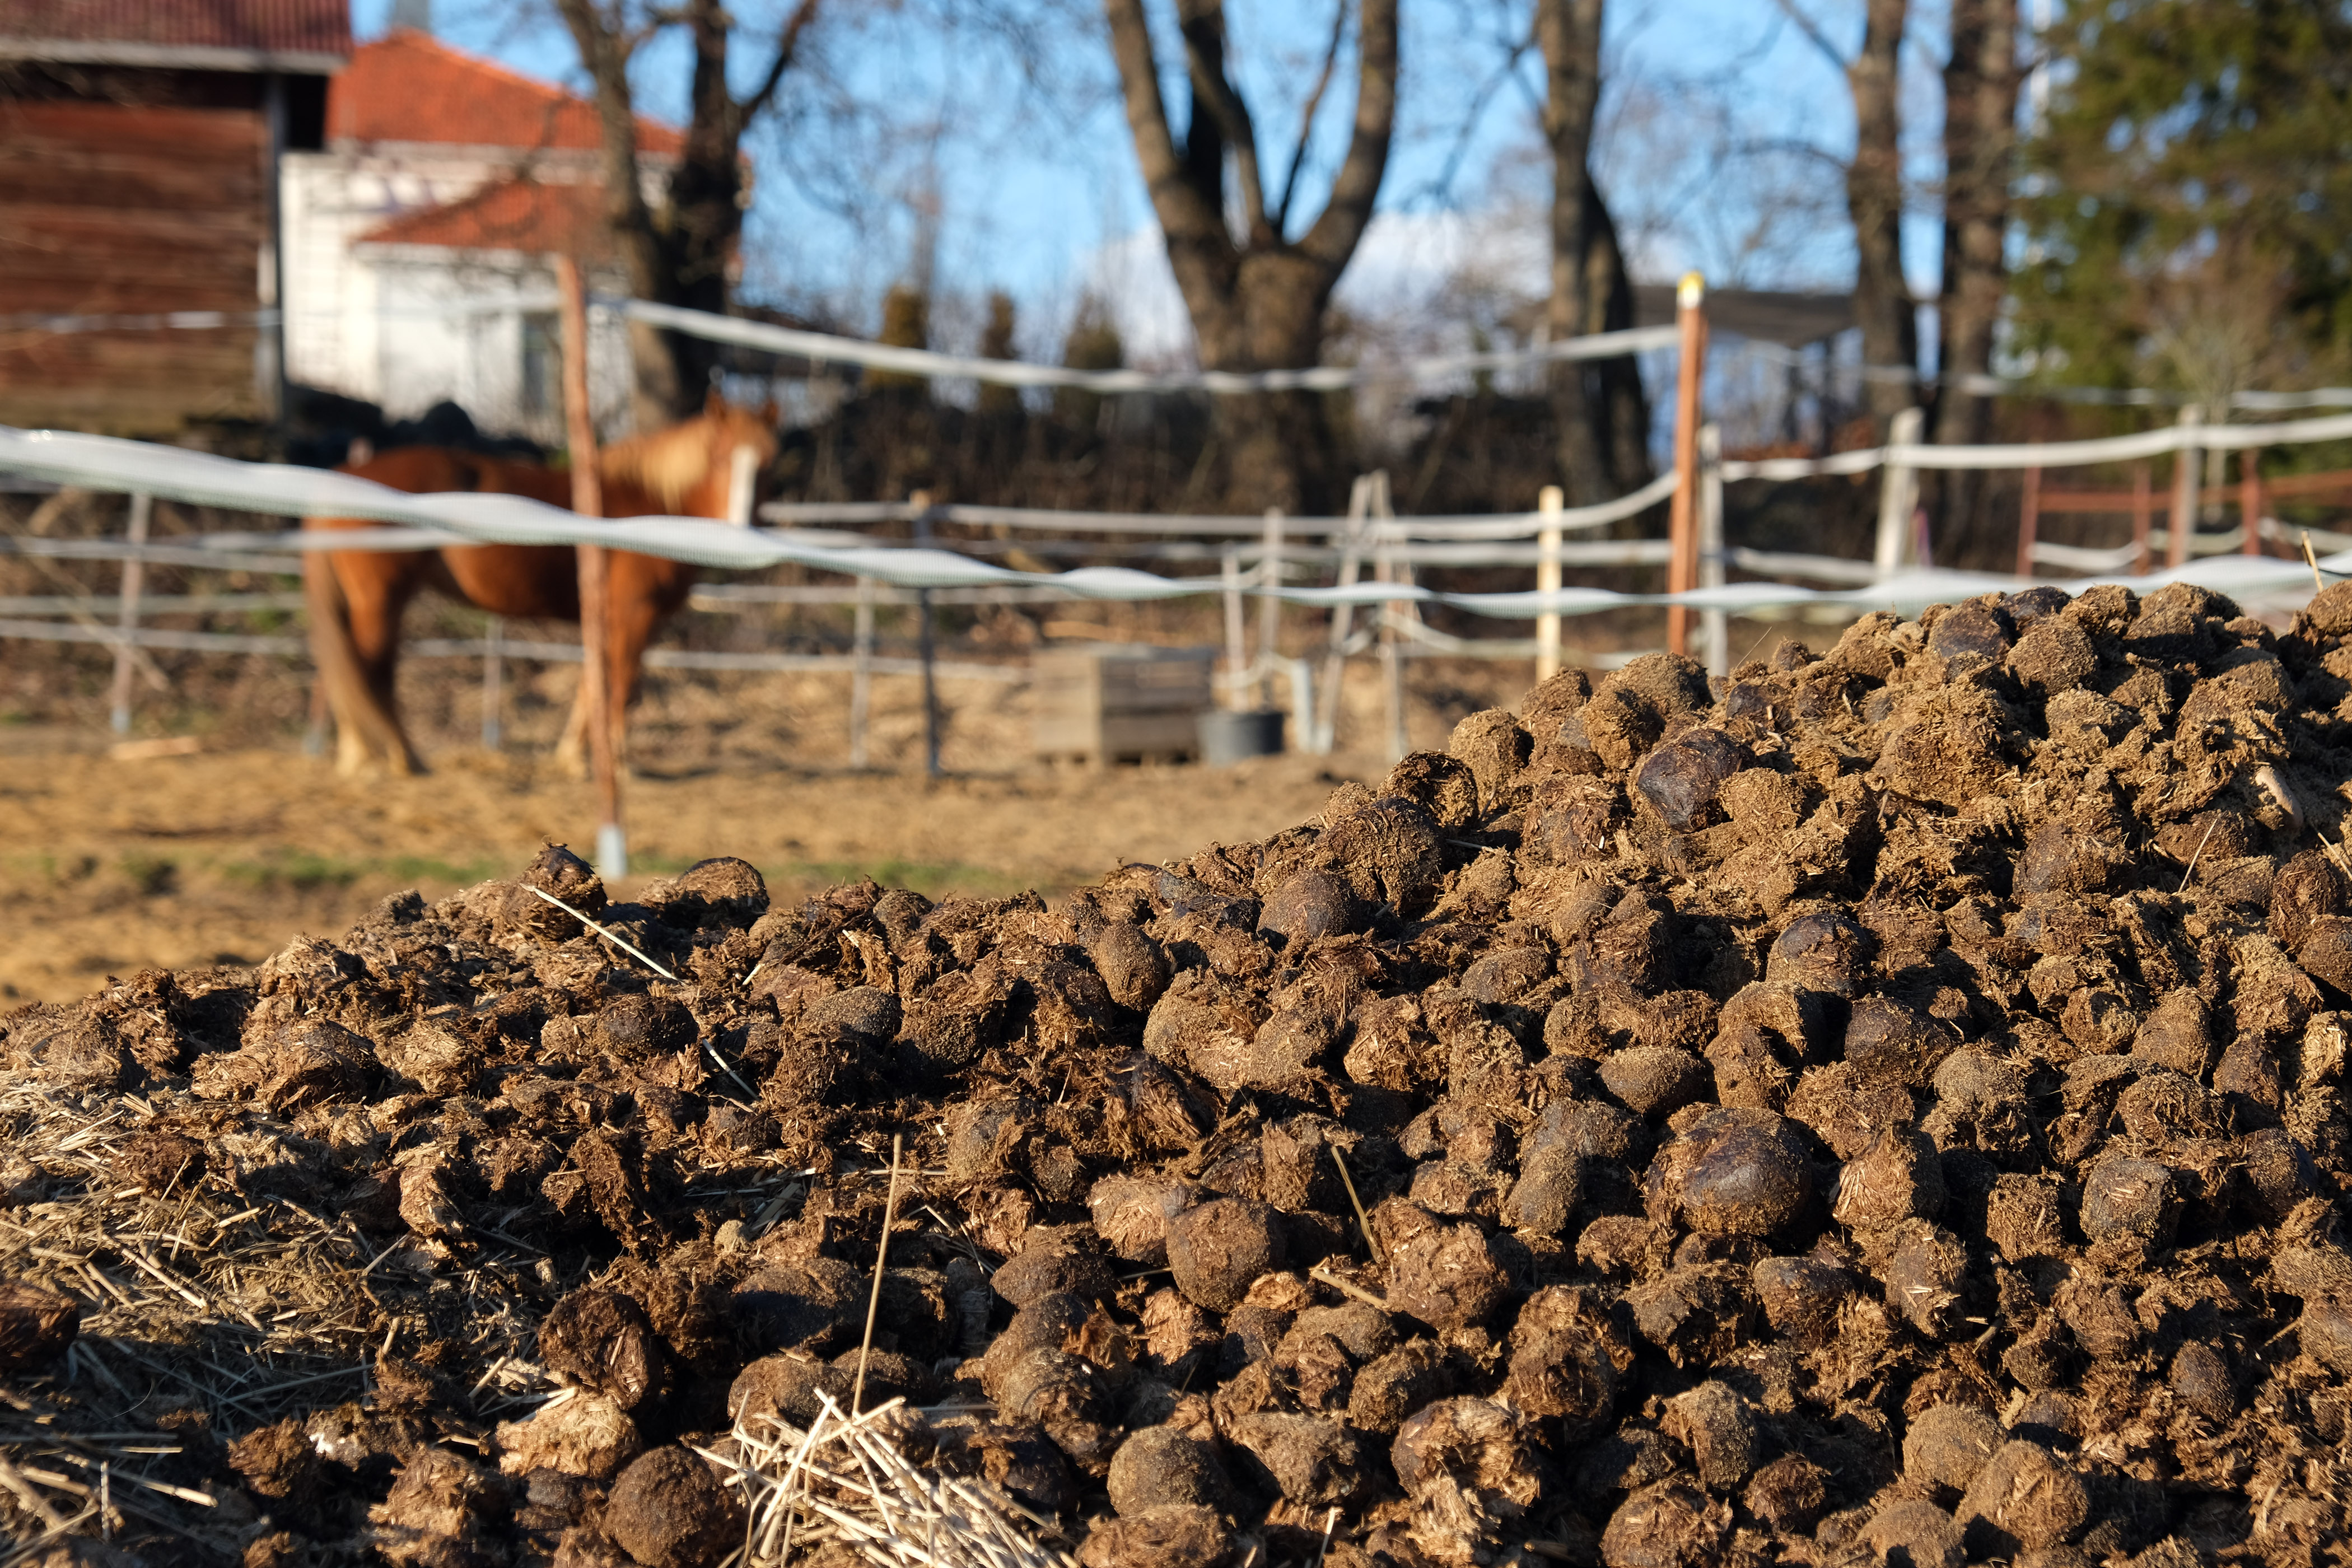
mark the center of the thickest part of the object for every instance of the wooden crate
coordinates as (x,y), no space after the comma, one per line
(1112,701)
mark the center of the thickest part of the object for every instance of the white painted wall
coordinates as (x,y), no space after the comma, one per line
(375,322)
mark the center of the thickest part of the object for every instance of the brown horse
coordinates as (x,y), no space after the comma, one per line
(702,467)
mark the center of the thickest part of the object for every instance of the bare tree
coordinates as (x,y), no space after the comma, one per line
(678,247)
(1603,420)
(1981,84)
(1874,195)
(1256,297)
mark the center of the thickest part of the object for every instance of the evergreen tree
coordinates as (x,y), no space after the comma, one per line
(2190,217)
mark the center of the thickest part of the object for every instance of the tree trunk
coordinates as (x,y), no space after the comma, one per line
(1621,409)
(1257,300)
(1873,193)
(1570,34)
(1980,86)
(1598,414)
(685,254)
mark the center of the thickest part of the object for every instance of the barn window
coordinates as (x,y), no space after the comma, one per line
(543,364)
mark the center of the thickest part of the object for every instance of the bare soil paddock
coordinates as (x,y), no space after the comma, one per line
(109,865)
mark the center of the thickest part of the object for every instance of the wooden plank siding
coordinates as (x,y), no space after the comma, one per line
(147,197)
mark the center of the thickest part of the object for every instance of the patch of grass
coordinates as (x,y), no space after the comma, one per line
(298,870)
(152,875)
(425,868)
(302,871)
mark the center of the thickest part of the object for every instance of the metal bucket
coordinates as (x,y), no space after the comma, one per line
(1227,737)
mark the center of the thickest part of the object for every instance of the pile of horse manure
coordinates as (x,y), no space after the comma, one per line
(1886,1106)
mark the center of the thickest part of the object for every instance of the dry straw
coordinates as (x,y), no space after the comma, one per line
(219,1294)
(846,1480)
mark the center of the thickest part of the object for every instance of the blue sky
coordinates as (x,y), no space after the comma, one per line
(1032,183)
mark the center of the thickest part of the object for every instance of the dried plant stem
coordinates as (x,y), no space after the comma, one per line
(2191,871)
(881,1253)
(1323,1276)
(632,952)
(1361,1222)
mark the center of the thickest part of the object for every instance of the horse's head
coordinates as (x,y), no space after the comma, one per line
(708,466)
(742,442)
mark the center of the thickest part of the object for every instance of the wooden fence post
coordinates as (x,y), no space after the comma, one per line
(493,681)
(134,581)
(2143,518)
(1335,658)
(1229,575)
(1379,510)
(1898,495)
(922,501)
(2250,498)
(1269,607)
(1682,566)
(2029,521)
(1715,623)
(597,698)
(2185,465)
(861,671)
(1549,502)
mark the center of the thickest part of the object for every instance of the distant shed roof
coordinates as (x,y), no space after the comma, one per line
(297,37)
(511,215)
(408,86)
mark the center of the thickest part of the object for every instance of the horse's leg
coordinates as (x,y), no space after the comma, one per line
(633,619)
(377,585)
(571,748)
(350,600)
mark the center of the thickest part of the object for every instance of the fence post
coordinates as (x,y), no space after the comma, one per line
(922,501)
(1335,660)
(493,679)
(1379,509)
(2143,518)
(2029,521)
(1682,565)
(1269,605)
(2250,498)
(1549,503)
(861,671)
(134,581)
(1899,494)
(596,698)
(1715,624)
(1229,573)
(1391,660)
(2185,467)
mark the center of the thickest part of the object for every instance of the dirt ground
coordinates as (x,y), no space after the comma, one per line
(110,864)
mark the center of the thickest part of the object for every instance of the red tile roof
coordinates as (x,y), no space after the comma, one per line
(277,27)
(512,214)
(407,87)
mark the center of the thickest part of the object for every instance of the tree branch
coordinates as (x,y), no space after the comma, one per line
(1184,211)
(787,47)
(604,49)
(1812,30)
(1203,23)
(1345,216)
(1307,119)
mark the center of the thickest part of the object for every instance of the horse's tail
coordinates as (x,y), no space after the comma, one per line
(366,732)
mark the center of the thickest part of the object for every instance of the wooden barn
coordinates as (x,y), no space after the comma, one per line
(140,146)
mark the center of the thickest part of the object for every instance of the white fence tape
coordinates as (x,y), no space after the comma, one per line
(108,463)
(831,348)
(1492,525)
(2053,453)
(825,347)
